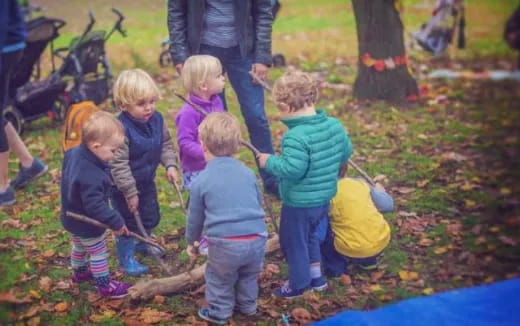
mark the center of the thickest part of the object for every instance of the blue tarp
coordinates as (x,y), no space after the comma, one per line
(494,304)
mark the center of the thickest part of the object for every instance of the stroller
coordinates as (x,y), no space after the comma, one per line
(84,63)
(438,32)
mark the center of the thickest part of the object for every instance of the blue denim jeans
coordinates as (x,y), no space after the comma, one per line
(334,264)
(232,275)
(299,241)
(250,96)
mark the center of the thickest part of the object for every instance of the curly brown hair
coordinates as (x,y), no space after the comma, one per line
(297,89)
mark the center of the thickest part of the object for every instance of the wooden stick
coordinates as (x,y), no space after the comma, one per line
(94,222)
(155,255)
(179,194)
(354,165)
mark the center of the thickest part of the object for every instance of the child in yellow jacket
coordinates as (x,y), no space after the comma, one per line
(357,231)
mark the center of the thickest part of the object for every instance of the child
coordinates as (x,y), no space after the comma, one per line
(225,202)
(313,149)
(85,189)
(358,232)
(147,143)
(203,79)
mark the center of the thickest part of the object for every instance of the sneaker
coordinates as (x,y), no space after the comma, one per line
(286,292)
(319,284)
(114,290)
(205,314)
(80,277)
(7,197)
(26,175)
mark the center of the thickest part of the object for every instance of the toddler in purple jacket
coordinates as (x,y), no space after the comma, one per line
(203,79)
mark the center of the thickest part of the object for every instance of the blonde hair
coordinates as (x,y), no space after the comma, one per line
(101,127)
(197,69)
(220,132)
(296,89)
(132,86)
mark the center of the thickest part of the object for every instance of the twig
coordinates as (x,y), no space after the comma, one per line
(155,255)
(94,222)
(354,165)
(179,194)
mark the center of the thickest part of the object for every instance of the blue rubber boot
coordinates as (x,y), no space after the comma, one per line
(125,254)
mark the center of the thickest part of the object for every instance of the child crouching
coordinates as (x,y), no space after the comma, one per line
(225,201)
(85,189)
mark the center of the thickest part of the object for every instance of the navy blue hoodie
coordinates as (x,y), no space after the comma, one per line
(85,189)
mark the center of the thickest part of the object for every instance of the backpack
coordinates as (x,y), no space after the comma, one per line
(77,115)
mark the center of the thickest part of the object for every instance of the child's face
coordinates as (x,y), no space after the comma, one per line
(215,85)
(105,151)
(143,109)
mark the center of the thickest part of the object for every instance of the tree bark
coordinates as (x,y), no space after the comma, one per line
(380,35)
(147,289)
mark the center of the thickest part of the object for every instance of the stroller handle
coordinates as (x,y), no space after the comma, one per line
(118,26)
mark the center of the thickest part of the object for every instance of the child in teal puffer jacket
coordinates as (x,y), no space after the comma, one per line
(313,150)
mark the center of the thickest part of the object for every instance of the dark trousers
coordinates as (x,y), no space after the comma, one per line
(9,61)
(299,241)
(334,264)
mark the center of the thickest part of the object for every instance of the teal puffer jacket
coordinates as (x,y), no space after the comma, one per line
(313,150)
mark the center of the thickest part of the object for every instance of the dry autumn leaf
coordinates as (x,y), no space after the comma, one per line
(408,276)
(301,315)
(345,279)
(61,307)
(45,283)
(427,291)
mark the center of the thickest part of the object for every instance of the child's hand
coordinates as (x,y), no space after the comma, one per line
(262,159)
(122,231)
(172,175)
(192,252)
(379,186)
(133,203)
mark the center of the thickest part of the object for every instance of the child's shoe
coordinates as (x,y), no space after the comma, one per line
(114,290)
(204,313)
(286,292)
(80,277)
(26,175)
(319,284)
(7,197)
(125,254)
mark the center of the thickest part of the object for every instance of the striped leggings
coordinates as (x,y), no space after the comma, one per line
(96,248)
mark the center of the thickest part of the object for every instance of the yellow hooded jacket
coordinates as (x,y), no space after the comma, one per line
(360,230)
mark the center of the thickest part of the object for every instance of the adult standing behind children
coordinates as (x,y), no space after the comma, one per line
(313,150)
(238,33)
(226,203)
(12,43)
(147,144)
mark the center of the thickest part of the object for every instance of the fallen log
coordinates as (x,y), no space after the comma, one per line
(147,289)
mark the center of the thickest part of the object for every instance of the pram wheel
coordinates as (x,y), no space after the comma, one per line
(60,108)
(165,59)
(13,115)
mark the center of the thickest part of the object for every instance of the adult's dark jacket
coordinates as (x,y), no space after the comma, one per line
(85,189)
(253,20)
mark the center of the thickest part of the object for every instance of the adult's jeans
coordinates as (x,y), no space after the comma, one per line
(250,97)
(299,241)
(232,275)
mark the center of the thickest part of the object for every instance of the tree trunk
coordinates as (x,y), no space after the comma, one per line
(380,37)
(147,289)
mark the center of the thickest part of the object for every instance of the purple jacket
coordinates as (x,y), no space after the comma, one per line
(188,120)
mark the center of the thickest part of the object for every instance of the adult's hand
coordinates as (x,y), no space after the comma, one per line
(260,70)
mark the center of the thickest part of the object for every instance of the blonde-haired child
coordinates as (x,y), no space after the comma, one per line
(203,79)
(147,143)
(313,149)
(225,202)
(85,189)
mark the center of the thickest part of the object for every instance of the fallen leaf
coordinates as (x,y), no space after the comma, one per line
(45,283)
(470,203)
(507,240)
(505,191)
(452,156)
(153,316)
(48,253)
(404,190)
(427,291)
(35,294)
(61,307)
(440,250)
(159,299)
(301,315)
(425,242)
(408,276)
(345,279)
(30,313)
(422,183)
(375,288)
